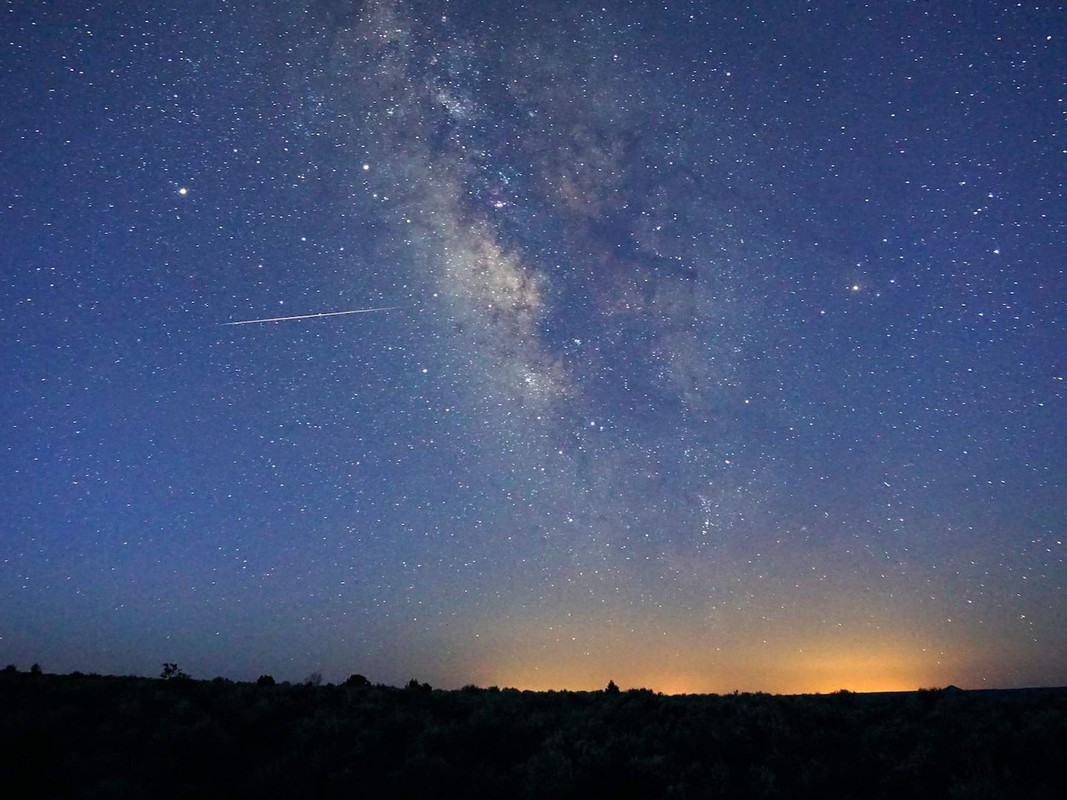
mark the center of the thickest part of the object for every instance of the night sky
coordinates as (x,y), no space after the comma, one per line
(708,345)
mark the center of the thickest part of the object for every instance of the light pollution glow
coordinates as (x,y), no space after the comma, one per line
(672,660)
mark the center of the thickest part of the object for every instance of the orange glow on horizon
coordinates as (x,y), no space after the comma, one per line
(860,665)
(813,678)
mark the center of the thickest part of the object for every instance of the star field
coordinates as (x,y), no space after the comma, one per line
(723,347)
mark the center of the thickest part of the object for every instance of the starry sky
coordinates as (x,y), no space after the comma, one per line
(709,345)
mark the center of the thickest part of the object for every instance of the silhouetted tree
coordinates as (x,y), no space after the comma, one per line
(314,679)
(357,680)
(265,680)
(611,688)
(35,669)
(171,672)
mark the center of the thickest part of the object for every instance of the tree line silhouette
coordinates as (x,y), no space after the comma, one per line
(92,736)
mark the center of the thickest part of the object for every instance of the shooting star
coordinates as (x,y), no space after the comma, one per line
(311,316)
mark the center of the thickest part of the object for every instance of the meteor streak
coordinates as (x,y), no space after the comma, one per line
(311,316)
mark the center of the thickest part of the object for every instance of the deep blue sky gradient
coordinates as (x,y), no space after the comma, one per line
(729,351)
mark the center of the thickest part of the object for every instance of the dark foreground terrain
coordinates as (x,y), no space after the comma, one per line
(107,737)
